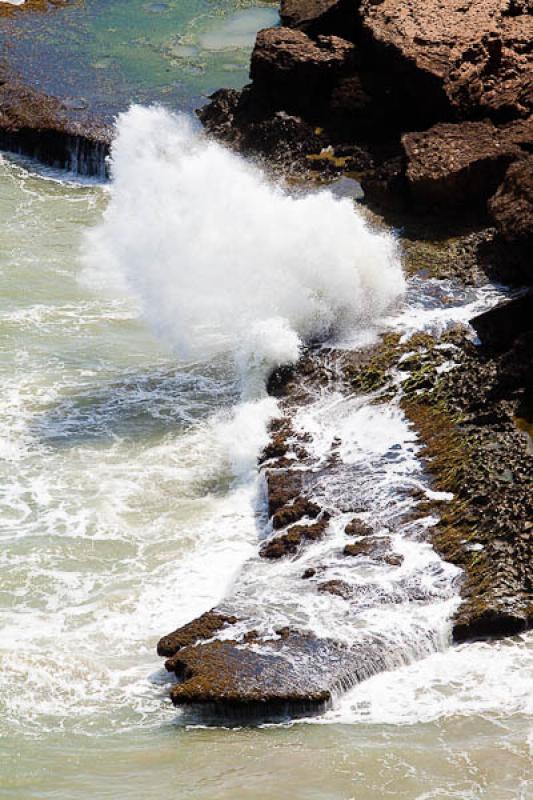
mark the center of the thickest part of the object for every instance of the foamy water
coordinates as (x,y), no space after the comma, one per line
(129,504)
(235,263)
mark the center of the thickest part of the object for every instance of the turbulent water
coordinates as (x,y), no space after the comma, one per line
(132,413)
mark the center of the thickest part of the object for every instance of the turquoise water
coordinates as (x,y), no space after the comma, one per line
(106,54)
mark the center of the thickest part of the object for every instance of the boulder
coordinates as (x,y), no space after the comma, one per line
(314,17)
(512,205)
(294,73)
(40,126)
(501,325)
(466,58)
(460,165)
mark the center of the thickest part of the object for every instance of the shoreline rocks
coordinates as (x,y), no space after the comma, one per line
(40,126)
(355,87)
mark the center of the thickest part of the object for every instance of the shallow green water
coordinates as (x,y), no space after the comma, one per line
(106,54)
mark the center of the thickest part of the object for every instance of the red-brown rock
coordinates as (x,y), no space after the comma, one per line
(293,72)
(462,164)
(336,17)
(468,57)
(512,205)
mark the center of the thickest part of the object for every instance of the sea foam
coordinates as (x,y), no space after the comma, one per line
(222,259)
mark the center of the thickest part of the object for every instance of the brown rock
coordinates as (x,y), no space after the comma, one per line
(282,488)
(203,627)
(358,528)
(294,73)
(310,572)
(378,549)
(464,57)
(338,17)
(40,126)
(336,587)
(293,672)
(456,165)
(289,514)
(512,205)
(291,541)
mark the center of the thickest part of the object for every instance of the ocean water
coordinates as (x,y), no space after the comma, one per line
(104,55)
(138,320)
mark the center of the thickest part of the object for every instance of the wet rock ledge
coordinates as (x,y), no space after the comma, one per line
(43,127)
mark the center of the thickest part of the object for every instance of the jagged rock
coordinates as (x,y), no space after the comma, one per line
(456,165)
(337,17)
(291,513)
(336,587)
(290,542)
(358,528)
(501,325)
(40,126)
(378,549)
(203,627)
(282,487)
(512,205)
(294,73)
(464,57)
(219,115)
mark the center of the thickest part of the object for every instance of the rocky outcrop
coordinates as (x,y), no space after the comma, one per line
(466,58)
(204,627)
(288,674)
(467,418)
(40,126)
(295,73)
(354,93)
(503,324)
(512,205)
(333,17)
(460,165)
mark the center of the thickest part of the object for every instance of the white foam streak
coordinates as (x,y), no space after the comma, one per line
(484,678)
